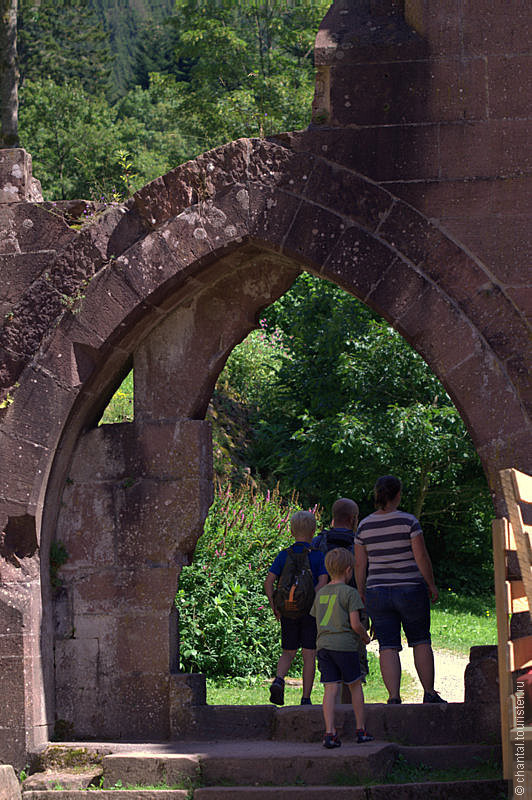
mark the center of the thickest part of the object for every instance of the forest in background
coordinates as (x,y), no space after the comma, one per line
(324,396)
(111,99)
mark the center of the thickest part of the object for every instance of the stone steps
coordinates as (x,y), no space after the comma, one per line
(263,762)
(107,794)
(409,724)
(283,757)
(445,790)
(441,790)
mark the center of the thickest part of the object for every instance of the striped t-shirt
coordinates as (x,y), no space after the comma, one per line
(387,538)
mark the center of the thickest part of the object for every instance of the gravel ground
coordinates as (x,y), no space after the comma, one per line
(449,669)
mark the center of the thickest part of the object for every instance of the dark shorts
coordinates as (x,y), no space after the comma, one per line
(339,665)
(296,633)
(392,606)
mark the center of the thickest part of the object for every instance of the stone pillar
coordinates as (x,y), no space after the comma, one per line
(16,181)
(481,677)
(131,513)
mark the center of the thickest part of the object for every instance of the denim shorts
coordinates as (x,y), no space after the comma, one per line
(296,633)
(391,606)
(338,665)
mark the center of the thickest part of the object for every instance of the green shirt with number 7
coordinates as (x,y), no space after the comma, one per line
(332,606)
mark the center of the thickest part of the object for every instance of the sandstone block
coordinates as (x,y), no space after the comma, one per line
(358,262)
(16,181)
(149,768)
(9,785)
(348,194)
(481,677)
(18,271)
(142,643)
(41,781)
(313,235)
(74,656)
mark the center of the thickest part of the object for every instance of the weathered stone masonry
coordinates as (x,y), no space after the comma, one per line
(409,190)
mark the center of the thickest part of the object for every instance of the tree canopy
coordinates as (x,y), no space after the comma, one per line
(328,394)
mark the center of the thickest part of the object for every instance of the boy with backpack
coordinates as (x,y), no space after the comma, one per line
(337,611)
(299,572)
(342,534)
(343,527)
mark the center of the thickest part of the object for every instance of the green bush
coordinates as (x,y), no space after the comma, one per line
(226,625)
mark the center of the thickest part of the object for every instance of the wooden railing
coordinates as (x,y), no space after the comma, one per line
(513,593)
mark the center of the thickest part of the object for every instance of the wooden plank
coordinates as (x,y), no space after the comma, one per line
(500,537)
(514,482)
(510,539)
(523,486)
(521,653)
(516,597)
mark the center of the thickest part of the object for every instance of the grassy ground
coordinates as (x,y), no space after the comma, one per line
(255,690)
(457,624)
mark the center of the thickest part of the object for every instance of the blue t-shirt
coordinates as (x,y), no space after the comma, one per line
(317,562)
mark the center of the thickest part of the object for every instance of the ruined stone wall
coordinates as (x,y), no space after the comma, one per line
(171,280)
(432,101)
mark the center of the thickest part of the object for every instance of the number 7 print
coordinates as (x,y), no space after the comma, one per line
(330,600)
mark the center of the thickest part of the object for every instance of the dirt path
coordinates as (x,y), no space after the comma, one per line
(449,668)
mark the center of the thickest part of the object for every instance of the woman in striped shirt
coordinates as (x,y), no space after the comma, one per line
(394,579)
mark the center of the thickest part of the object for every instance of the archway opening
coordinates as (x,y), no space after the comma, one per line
(317,402)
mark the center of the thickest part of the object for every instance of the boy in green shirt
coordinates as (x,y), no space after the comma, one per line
(336,608)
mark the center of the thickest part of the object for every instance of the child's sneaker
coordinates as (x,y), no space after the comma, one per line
(331,740)
(277,692)
(306,701)
(363,736)
(433,697)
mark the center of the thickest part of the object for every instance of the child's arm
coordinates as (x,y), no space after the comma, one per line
(323,580)
(269,583)
(361,568)
(357,627)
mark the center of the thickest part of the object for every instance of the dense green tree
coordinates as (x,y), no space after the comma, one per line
(349,401)
(77,139)
(155,53)
(237,70)
(250,65)
(63,40)
(124,24)
(74,138)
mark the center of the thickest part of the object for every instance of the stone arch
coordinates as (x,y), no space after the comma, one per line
(191,260)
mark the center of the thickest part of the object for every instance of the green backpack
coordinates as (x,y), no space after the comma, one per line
(294,594)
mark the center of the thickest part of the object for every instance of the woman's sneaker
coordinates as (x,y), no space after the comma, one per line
(331,740)
(363,736)
(277,692)
(433,697)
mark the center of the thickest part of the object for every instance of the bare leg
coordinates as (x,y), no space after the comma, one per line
(309,670)
(329,698)
(391,671)
(283,665)
(357,701)
(424,661)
